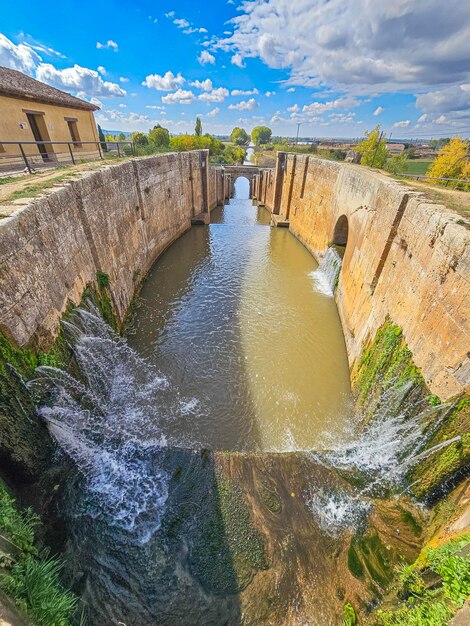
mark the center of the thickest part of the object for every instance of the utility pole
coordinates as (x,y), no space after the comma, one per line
(376,148)
(298,128)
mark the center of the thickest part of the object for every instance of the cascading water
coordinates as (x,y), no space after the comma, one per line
(392,439)
(111,424)
(326,274)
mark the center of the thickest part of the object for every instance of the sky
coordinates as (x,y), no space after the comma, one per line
(337,67)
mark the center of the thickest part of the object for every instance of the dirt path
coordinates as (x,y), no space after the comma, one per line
(14,194)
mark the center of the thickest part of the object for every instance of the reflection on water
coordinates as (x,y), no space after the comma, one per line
(230,315)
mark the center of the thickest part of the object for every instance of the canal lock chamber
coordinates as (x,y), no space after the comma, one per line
(218,465)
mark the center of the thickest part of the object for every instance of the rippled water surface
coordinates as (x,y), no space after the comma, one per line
(231,315)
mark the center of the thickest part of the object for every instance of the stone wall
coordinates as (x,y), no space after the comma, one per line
(116,220)
(406,258)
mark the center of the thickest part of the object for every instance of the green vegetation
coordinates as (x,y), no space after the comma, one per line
(387,359)
(28,574)
(102,139)
(434,472)
(373,148)
(397,164)
(159,137)
(261,135)
(417,166)
(29,191)
(6,179)
(239,136)
(198,127)
(349,616)
(422,604)
(230,549)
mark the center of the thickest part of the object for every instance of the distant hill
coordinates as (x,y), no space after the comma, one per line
(116,132)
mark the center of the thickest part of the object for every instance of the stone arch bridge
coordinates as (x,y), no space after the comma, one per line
(245,171)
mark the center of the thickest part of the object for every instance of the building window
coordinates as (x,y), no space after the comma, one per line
(74,134)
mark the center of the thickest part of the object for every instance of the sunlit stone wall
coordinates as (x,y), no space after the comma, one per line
(406,258)
(116,220)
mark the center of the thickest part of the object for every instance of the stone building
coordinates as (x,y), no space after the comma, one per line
(31,111)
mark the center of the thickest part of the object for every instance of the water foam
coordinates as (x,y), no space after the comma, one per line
(111,423)
(326,274)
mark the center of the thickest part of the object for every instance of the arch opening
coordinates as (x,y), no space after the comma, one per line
(341,232)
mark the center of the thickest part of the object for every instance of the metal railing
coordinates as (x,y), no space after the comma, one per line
(53,153)
(425,176)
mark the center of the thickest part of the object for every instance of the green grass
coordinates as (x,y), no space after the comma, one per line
(6,179)
(421,606)
(417,167)
(30,576)
(30,191)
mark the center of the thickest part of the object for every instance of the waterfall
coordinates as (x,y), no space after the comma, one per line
(110,422)
(326,274)
(393,438)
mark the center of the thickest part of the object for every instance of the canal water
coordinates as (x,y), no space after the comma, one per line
(232,315)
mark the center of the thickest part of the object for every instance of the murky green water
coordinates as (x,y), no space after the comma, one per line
(231,316)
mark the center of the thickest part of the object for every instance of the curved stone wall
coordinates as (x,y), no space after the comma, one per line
(115,220)
(406,258)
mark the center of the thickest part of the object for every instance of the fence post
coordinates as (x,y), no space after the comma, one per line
(99,150)
(25,159)
(71,154)
(119,152)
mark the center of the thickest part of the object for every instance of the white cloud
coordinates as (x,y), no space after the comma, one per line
(453,102)
(79,79)
(181,23)
(248,92)
(167,82)
(245,105)
(291,90)
(187,27)
(268,94)
(155,106)
(205,85)
(181,96)
(206,57)
(422,118)
(214,112)
(356,45)
(216,95)
(294,108)
(378,111)
(123,79)
(402,124)
(237,60)
(317,108)
(109,44)
(123,106)
(19,57)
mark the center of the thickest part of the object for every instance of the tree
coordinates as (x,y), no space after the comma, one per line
(121,136)
(260,135)
(140,139)
(373,149)
(397,164)
(451,161)
(160,136)
(198,128)
(436,144)
(239,136)
(102,139)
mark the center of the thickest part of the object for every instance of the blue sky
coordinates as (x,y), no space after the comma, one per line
(337,67)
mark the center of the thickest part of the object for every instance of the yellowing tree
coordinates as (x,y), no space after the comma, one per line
(452,161)
(373,149)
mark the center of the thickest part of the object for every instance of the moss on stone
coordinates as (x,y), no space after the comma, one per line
(434,472)
(385,360)
(230,549)
(269,497)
